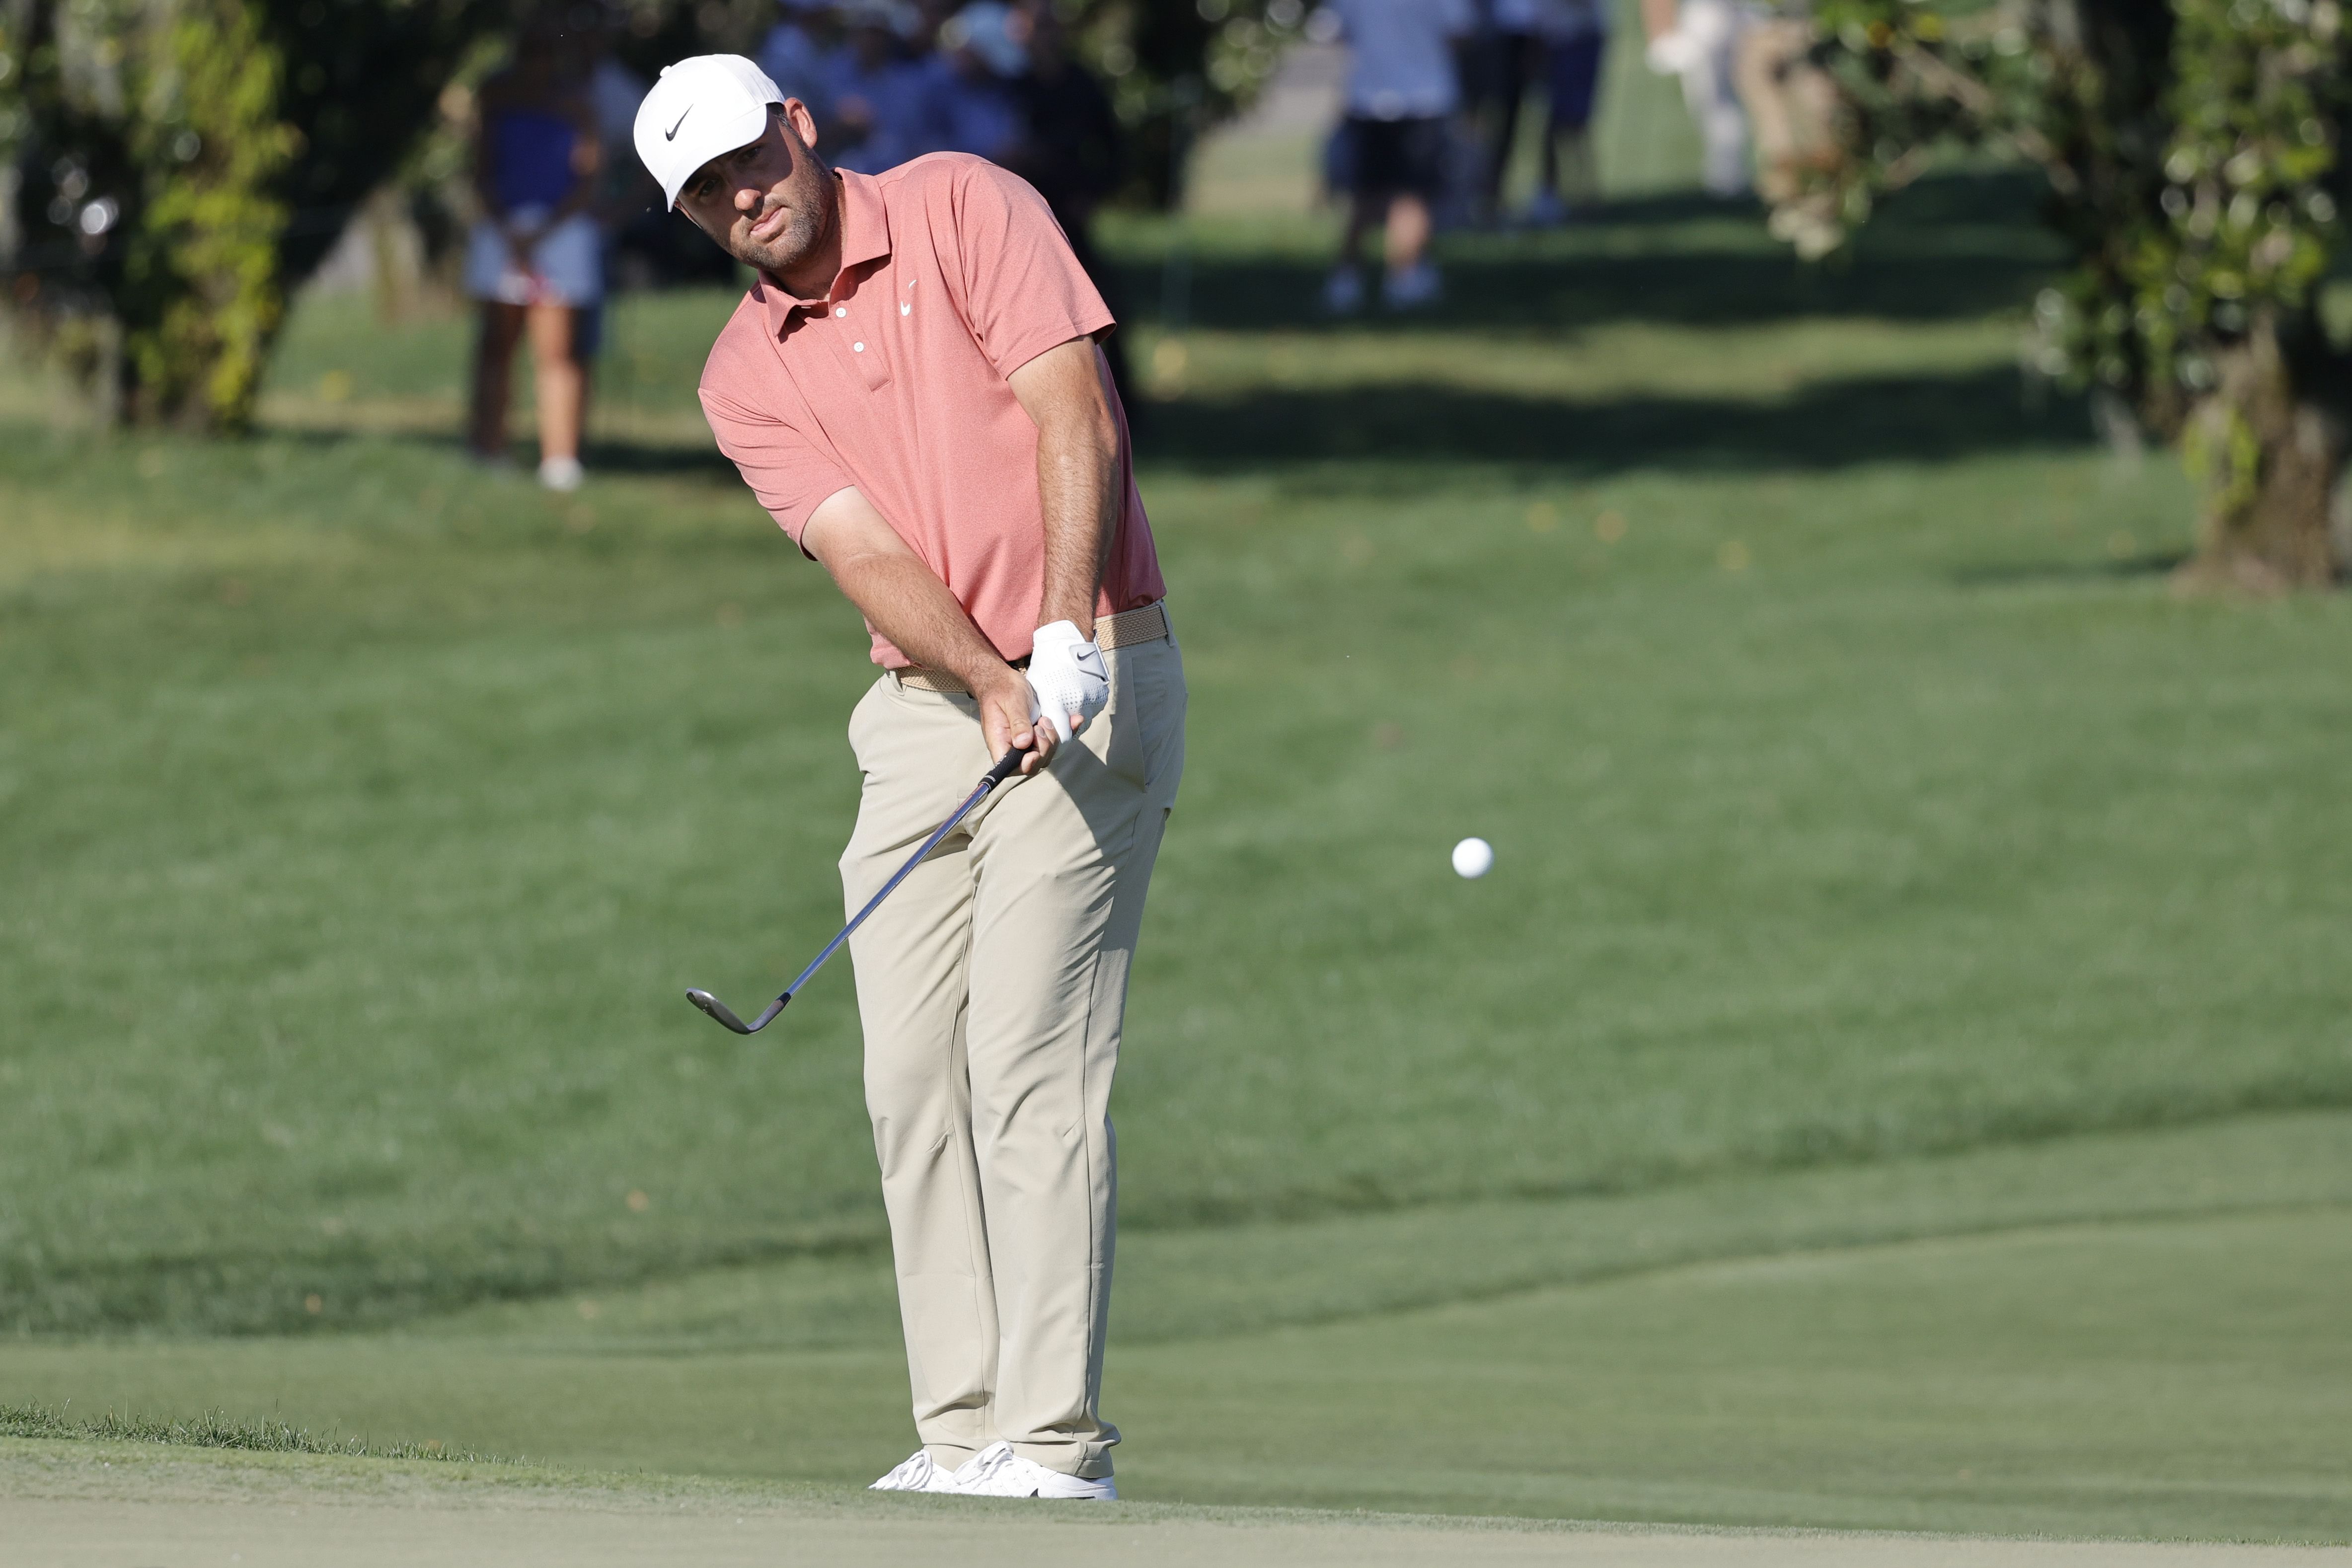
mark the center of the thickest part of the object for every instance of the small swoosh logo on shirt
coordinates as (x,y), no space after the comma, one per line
(671,134)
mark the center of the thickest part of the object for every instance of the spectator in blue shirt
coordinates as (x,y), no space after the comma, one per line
(974,104)
(880,117)
(798,51)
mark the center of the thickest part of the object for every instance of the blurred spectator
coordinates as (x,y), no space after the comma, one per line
(881,116)
(1508,50)
(1747,69)
(1073,150)
(1700,41)
(1575,38)
(974,103)
(1402,88)
(534,261)
(623,186)
(614,92)
(1792,107)
(798,54)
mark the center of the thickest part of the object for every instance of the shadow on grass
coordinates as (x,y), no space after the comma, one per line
(1829,424)
(2003,198)
(2021,574)
(660,459)
(1956,249)
(1560,293)
(602,455)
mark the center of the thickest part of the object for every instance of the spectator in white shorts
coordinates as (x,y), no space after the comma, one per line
(1403,88)
(535,259)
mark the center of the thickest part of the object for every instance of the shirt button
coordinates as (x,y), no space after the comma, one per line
(841,309)
(859,346)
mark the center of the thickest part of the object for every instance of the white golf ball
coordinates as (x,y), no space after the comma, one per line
(1473,857)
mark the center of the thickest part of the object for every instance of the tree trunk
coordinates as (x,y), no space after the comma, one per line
(2266,463)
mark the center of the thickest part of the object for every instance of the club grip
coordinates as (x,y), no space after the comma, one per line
(1006,767)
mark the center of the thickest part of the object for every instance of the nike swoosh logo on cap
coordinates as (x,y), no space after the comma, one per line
(671,134)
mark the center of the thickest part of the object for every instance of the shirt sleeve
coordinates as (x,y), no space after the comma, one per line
(788,474)
(1019,286)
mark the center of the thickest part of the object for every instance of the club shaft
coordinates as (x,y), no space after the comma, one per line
(1006,766)
(901,874)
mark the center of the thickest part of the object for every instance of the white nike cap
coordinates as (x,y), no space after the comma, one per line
(701,108)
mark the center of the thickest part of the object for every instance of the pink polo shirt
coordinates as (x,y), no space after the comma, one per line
(953,276)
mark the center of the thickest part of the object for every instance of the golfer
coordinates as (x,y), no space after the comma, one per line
(912,388)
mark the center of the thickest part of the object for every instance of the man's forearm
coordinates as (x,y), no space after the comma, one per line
(902,598)
(1078,486)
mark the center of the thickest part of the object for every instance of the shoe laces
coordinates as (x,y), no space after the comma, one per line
(987,1464)
(912,1472)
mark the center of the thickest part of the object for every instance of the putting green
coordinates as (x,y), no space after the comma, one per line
(2134,1336)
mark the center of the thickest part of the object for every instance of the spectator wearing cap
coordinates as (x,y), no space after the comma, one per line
(912,387)
(1403,86)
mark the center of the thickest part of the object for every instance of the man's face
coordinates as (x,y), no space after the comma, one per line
(768,203)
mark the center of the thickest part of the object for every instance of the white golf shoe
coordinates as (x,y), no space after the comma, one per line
(997,1471)
(917,1473)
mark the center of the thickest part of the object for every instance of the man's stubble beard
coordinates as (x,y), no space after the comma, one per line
(802,231)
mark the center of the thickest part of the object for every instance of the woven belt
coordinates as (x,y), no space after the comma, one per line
(1124,629)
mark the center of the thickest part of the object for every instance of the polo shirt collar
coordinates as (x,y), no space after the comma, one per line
(865,236)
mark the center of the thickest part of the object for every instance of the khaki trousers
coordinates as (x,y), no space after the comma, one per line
(991,986)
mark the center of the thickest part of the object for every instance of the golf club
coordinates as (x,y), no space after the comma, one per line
(1008,765)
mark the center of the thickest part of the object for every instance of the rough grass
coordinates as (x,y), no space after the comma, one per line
(1859,790)
(218,1430)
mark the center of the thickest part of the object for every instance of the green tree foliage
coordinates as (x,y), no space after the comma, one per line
(199,295)
(170,168)
(173,165)
(1177,66)
(2194,155)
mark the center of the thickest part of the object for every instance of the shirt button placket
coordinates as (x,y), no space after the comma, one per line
(869,366)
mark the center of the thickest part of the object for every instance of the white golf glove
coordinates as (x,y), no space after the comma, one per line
(1065,677)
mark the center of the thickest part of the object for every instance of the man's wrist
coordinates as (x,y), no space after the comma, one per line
(984,679)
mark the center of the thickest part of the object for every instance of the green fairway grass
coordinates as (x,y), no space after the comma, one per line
(73,1503)
(2133,1334)
(1860,792)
